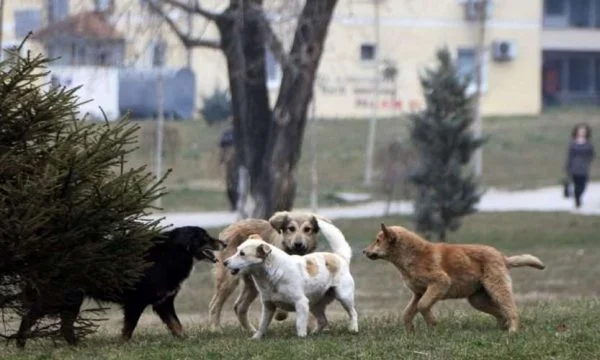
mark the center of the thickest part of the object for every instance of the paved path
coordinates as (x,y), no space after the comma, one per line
(548,199)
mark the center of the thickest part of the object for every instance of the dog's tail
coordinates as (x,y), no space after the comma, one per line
(524,260)
(336,238)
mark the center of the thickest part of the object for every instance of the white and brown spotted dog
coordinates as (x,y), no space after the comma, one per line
(305,284)
(293,232)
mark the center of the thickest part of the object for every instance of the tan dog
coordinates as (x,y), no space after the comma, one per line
(293,232)
(437,271)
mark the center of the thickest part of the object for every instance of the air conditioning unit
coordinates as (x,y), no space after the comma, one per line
(504,50)
(473,9)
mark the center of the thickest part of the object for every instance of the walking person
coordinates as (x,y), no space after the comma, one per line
(579,158)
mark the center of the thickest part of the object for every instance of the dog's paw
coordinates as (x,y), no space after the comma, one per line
(215,329)
(179,335)
(353,329)
(318,330)
(256,336)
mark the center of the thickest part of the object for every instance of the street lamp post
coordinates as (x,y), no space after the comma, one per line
(373,122)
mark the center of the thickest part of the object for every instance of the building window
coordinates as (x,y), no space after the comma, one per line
(81,55)
(159,51)
(466,65)
(57,10)
(555,7)
(104,58)
(580,71)
(367,52)
(553,71)
(580,13)
(26,21)
(572,13)
(272,69)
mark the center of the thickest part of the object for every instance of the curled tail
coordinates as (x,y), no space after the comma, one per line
(524,260)
(336,238)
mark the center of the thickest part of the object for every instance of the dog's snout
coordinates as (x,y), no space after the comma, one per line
(226,262)
(298,245)
(365,251)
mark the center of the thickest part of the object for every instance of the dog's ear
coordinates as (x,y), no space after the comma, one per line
(262,251)
(388,234)
(385,230)
(314,224)
(222,244)
(279,220)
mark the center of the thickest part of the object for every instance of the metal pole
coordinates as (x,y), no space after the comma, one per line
(189,33)
(314,194)
(160,124)
(479,66)
(373,121)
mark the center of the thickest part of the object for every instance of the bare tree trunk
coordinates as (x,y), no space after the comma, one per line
(289,114)
(267,143)
(245,55)
(479,62)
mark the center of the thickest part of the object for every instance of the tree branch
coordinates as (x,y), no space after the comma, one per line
(187,41)
(195,9)
(273,42)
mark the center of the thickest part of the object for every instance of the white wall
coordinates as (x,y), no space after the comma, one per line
(99,88)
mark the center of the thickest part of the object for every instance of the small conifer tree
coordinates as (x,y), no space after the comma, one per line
(72,215)
(442,136)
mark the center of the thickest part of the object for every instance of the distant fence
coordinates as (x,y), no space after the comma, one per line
(138,93)
(121,90)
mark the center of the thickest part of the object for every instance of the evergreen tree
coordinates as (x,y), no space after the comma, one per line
(70,212)
(441,134)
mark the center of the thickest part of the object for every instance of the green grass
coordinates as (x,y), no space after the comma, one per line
(523,152)
(566,331)
(560,307)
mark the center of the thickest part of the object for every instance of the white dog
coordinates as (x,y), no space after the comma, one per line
(299,283)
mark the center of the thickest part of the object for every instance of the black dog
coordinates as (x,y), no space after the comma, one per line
(172,259)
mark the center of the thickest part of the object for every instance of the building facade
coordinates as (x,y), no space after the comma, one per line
(571,52)
(539,52)
(411,32)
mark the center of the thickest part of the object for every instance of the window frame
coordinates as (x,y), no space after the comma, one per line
(364,48)
(472,87)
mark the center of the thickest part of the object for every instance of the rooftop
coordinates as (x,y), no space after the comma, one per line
(87,25)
